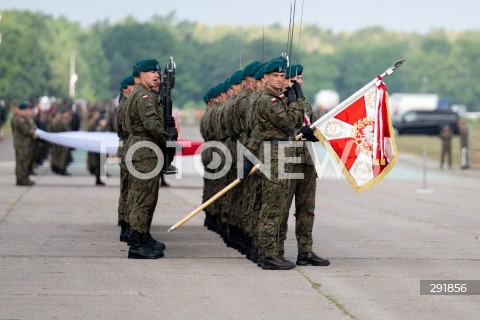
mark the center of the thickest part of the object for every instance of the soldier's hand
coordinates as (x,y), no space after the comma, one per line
(290,94)
(307,132)
(297,87)
(170,121)
(247,167)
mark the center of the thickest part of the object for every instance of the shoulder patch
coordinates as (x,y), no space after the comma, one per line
(274,100)
(145,97)
(282,96)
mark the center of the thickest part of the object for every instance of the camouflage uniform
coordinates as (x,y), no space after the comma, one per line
(252,203)
(239,124)
(304,192)
(123,131)
(221,205)
(147,124)
(60,154)
(275,121)
(208,185)
(23,129)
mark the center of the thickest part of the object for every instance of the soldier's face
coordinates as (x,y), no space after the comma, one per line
(150,79)
(275,80)
(128,91)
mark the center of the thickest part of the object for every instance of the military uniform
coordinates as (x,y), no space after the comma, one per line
(446,137)
(60,155)
(123,132)
(275,121)
(302,189)
(146,117)
(23,130)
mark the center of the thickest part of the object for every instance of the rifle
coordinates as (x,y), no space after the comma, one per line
(165,98)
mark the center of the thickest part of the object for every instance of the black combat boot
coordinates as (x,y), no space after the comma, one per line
(124,231)
(253,255)
(25,182)
(307,258)
(139,249)
(155,244)
(276,263)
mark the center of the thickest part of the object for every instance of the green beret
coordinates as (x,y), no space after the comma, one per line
(251,69)
(276,65)
(260,72)
(293,71)
(144,66)
(217,90)
(127,81)
(227,84)
(237,77)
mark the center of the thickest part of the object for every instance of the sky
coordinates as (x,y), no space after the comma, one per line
(421,16)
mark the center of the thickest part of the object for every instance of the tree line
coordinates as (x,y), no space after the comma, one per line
(36,51)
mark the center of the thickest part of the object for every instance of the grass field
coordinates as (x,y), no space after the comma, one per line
(415,144)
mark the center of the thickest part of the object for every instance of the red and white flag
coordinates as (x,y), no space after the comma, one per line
(360,137)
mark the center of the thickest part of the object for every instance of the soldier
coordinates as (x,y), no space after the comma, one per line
(60,154)
(123,131)
(464,131)
(232,130)
(145,115)
(97,123)
(207,136)
(240,133)
(302,189)
(253,185)
(446,134)
(276,118)
(23,129)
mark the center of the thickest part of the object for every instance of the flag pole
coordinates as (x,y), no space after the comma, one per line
(211,200)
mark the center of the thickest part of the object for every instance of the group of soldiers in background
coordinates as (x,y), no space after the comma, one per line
(30,151)
(259,106)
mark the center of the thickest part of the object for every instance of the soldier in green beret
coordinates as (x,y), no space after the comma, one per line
(276,119)
(123,131)
(146,118)
(253,185)
(302,189)
(23,130)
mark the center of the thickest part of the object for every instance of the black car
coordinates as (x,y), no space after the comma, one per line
(425,121)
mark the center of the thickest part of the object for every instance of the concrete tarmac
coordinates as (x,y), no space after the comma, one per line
(60,255)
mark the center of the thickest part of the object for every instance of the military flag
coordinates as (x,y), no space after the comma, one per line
(359,136)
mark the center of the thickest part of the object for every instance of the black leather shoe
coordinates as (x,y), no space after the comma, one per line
(276,263)
(307,258)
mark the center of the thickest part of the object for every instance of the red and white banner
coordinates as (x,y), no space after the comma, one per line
(103,142)
(360,137)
